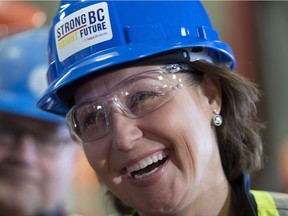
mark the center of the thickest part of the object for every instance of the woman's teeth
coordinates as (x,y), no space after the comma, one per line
(137,176)
(138,170)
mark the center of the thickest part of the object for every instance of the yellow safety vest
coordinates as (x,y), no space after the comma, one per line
(271,203)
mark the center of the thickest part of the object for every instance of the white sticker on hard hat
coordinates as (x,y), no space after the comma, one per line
(82,29)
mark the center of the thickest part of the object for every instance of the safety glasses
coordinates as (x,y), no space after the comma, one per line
(135,97)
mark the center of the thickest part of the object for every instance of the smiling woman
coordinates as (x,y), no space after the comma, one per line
(165,121)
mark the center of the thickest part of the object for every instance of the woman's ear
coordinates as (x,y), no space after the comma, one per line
(212,91)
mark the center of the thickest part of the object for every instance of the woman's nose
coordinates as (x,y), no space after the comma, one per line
(125,132)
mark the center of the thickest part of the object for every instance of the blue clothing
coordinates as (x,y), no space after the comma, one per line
(246,203)
(258,203)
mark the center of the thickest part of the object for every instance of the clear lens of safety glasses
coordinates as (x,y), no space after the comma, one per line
(134,97)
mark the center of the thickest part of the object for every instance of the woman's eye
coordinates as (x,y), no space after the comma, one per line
(141,97)
(94,118)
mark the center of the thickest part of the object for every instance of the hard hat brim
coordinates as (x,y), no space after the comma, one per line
(13,104)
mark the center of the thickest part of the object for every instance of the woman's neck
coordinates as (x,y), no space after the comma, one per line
(218,201)
(229,207)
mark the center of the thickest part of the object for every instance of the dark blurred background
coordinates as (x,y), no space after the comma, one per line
(257,32)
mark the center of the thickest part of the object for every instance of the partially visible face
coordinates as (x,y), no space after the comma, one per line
(177,139)
(34,172)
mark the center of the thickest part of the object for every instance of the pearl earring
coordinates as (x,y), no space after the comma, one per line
(217,119)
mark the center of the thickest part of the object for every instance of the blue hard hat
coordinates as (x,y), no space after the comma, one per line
(89,36)
(23,67)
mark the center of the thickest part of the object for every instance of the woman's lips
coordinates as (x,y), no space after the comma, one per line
(148,170)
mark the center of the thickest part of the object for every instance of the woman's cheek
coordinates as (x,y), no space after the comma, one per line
(96,156)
